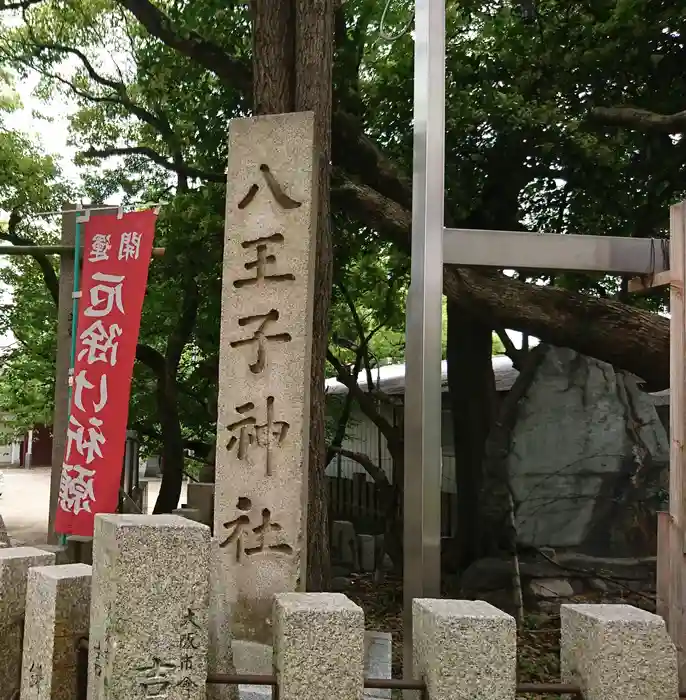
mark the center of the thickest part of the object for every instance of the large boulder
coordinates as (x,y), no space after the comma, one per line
(588,459)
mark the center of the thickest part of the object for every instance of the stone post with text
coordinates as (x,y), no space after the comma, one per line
(264,369)
(149,608)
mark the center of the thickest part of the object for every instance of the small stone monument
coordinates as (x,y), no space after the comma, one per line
(149,602)
(15,563)
(264,370)
(57,615)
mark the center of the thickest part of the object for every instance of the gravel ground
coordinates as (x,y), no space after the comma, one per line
(25,498)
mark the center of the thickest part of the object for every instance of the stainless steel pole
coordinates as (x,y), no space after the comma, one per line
(422,499)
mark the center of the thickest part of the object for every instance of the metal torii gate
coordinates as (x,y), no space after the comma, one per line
(434,245)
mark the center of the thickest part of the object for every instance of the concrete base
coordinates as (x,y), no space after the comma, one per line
(254,658)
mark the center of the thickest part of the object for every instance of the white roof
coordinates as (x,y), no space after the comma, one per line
(391,379)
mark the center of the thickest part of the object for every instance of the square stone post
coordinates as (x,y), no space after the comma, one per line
(464,649)
(264,368)
(57,615)
(15,563)
(80,549)
(318,646)
(617,652)
(149,601)
(201,497)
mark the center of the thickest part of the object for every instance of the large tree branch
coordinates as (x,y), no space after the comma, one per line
(640,119)
(373,469)
(184,326)
(368,407)
(627,337)
(176,167)
(151,358)
(120,96)
(11,235)
(211,56)
(351,147)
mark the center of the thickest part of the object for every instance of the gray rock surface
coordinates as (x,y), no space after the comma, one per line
(586,454)
(264,365)
(318,646)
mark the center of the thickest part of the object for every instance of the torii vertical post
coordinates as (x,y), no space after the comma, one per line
(422,425)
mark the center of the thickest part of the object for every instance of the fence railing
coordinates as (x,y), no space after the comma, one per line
(356,499)
(271,681)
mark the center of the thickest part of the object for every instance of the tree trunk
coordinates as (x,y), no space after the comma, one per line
(172,445)
(498,516)
(314,23)
(292,63)
(173,456)
(471,390)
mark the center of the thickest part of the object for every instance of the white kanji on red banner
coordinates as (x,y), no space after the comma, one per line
(106,296)
(130,246)
(80,383)
(86,440)
(117,251)
(76,488)
(100,248)
(100,343)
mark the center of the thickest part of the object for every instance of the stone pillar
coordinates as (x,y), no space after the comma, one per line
(464,648)
(60,551)
(264,366)
(201,497)
(188,513)
(149,600)
(15,563)
(57,615)
(80,549)
(143,495)
(318,646)
(617,652)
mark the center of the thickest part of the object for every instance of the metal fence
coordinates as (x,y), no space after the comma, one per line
(271,681)
(357,500)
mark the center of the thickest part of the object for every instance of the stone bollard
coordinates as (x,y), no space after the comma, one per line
(15,563)
(149,603)
(188,513)
(201,497)
(617,652)
(80,549)
(57,614)
(464,649)
(318,646)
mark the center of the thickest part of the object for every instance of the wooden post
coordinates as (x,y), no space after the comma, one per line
(64,312)
(672,544)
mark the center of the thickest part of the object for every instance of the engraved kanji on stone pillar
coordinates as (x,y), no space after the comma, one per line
(264,372)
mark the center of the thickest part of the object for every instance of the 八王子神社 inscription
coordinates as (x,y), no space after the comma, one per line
(264,370)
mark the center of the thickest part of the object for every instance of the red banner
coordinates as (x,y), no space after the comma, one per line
(116,257)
